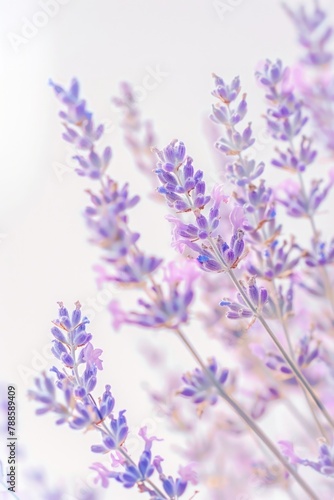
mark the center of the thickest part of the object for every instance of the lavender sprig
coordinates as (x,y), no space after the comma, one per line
(185,191)
(79,410)
(285,120)
(139,134)
(313,33)
(314,76)
(107,216)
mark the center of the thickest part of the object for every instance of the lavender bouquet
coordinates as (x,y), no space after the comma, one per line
(261,298)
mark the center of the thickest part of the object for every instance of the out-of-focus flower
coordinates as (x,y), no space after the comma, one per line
(200,387)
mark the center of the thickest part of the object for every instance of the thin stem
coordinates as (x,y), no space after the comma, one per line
(287,336)
(326,281)
(248,420)
(291,364)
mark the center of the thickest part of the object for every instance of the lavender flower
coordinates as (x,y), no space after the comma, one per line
(138,133)
(301,204)
(187,193)
(255,210)
(321,254)
(199,387)
(307,351)
(324,465)
(168,304)
(106,217)
(285,118)
(258,297)
(80,410)
(276,261)
(81,132)
(313,33)
(243,171)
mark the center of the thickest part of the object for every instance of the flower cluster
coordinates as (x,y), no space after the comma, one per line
(276,260)
(72,403)
(258,297)
(307,351)
(240,242)
(285,117)
(167,304)
(324,465)
(199,385)
(106,217)
(185,191)
(243,171)
(78,408)
(139,135)
(313,33)
(81,132)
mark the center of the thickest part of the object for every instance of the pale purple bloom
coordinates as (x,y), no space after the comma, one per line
(167,305)
(324,465)
(258,296)
(290,194)
(276,261)
(200,387)
(313,33)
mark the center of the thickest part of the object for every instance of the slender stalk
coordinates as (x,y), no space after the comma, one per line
(287,336)
(285,355)
(248,420)
(323,270)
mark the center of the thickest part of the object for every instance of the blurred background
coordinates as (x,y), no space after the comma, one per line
(44,254)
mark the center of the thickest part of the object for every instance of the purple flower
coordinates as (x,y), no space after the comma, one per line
(324,465)
(285,118)
(306,352)
(91,356)
(107,221)
(82,133)
(116,437)
(76,107)
(321,254)
(199,386)
(167,305)
(256,213)
(313,33)
(182,186)
(173,487)
(233,143)
(299,204)
(258,296)
(276,260)
(136,474)
(227,93)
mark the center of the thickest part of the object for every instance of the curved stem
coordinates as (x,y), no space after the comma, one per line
(248,420)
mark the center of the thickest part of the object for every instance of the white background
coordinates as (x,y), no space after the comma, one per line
(44,256)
